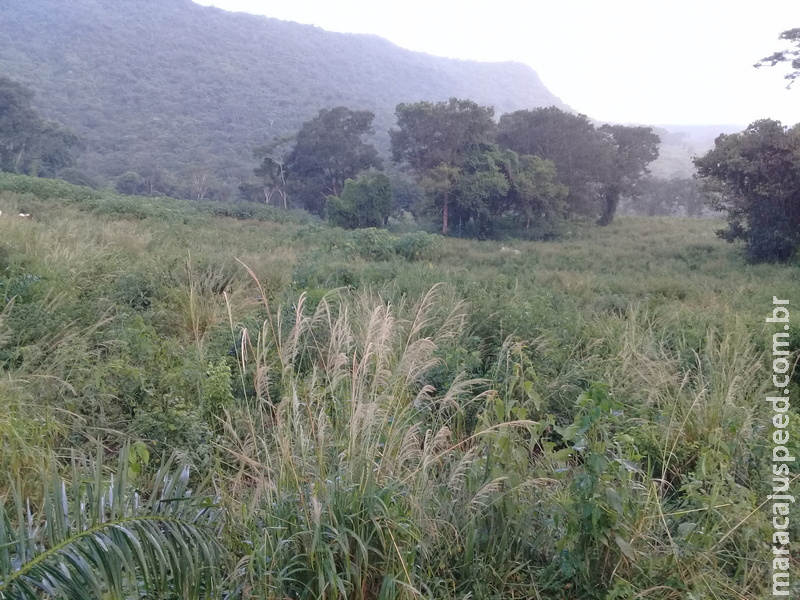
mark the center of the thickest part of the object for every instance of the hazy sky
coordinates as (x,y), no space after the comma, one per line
(645,61)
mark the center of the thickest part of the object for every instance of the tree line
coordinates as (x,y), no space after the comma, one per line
(532,167)
(452,161)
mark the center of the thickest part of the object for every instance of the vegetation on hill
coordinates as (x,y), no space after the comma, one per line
(172,90)
(172,98)
(368,415)
(28,143)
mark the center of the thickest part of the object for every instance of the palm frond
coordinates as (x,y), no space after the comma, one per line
(93,538)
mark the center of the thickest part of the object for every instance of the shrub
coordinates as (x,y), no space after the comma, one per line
(47,189)
(372,244)
(418,246)
(364,202)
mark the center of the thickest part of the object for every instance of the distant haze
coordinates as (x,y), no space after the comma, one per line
(682,61)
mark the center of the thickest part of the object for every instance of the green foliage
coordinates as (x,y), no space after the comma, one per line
(185,85)
(217,390)
(94,537)
(536,194)
(481,190)
(161,208)
(634,148)
(580,153)
(28,143)
(430,134)
(47,189)
(364,202)
(130,183)
(752,176)
(390,415)
(373,244)
(328,150)
(597,166)
(418,246)
(466,177)
(599,490)
(435,139)
(272,172)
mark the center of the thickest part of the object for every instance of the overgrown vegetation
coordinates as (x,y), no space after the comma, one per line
(368,415)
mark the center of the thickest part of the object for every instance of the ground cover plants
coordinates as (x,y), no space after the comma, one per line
(242,408)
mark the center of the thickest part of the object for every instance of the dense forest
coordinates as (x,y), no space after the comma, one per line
(173,86)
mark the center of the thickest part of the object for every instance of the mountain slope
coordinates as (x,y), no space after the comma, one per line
(173,85)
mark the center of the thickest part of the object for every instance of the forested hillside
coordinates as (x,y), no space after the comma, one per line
(173,86)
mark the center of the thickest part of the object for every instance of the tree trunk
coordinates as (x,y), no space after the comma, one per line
(612,201)
(444,216)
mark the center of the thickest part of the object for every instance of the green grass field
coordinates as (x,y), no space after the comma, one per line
(390,416)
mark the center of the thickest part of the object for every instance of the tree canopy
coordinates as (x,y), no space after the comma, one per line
(160,80)
(328,150)
(30,144)
(633,149)
(597,166)
(435,139)
(581,155)
(754,176)
(431,133)
(364,202)
(467,178)
(272,172)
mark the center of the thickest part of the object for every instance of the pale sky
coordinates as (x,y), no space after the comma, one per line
(638,61)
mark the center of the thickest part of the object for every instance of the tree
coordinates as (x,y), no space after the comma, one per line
(754,176)
(329,150)
(666,197)
(439,185)
(482,188)
(435,139)
(155,179)
(130,183)
(598,166)
(429,134)
(535,190)
(634,148)
(272,171)
(202,182)
(28,143)
(792,56)
(364,202)
(491,184)
(18,123)
(582,155)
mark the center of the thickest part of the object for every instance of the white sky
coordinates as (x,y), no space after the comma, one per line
(643,61)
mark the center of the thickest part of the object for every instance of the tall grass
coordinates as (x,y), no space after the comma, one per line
(329,459)
(386,417)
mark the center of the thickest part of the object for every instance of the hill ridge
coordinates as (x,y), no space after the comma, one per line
(181,86)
